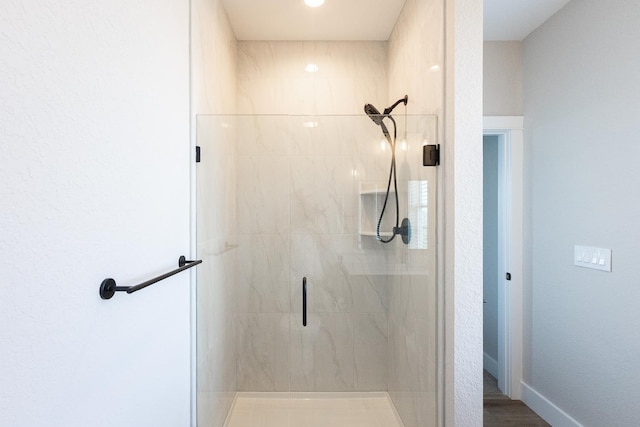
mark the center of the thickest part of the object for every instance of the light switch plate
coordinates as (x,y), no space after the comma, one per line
(590,257)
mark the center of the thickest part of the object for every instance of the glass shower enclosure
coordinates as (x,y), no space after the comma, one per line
(288,210)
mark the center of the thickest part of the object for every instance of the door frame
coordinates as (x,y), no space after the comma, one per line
(509,130)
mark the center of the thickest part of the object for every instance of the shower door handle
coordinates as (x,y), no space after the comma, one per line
(304,301)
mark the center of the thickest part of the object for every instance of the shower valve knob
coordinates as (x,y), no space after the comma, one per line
(403,231)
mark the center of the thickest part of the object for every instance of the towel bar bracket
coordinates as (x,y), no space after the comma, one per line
(108,288)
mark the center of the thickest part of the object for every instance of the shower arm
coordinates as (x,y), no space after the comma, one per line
(404,101)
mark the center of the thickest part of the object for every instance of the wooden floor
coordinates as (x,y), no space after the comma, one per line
(506,412)
(500,411)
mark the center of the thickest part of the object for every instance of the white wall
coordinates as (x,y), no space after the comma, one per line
(581,121)
(462,161)
(94,172)
(502,79)
(490,253)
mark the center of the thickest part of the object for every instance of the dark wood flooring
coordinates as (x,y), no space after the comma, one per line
(500,411)
(506,412)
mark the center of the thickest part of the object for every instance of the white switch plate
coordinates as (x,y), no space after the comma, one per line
(590,257)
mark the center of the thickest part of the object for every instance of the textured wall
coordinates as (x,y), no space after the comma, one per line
(94,163)
(581,87)
(502,79)
(463,207)
(214,51)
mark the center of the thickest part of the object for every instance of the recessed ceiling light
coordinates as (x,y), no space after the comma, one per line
(314,3)
(311,68)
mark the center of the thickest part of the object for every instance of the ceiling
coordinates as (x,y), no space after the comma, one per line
(516,19)
(369,19)
(293,20)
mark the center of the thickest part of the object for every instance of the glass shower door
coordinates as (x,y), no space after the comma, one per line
(294,198)
(216,245)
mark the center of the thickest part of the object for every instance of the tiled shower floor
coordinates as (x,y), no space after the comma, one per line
(313,410)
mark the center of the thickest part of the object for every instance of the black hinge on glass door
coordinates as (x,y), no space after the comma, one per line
(197,154)
(431,155)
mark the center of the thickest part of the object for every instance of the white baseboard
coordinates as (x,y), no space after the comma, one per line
(546,409)
(491,365)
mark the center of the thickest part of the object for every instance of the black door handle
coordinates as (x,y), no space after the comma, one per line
(304,301)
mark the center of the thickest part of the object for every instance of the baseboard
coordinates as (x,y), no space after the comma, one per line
(546,409)
(491,365)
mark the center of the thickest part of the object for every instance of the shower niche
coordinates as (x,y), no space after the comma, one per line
(372,198)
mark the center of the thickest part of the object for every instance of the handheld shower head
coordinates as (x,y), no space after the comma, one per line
(373,114)
(378,119)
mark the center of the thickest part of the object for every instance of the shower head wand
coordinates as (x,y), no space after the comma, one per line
(375,115)
(378,119)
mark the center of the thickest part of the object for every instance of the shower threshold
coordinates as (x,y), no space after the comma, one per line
(317,409)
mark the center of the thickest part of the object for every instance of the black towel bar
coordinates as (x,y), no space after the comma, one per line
(108,286)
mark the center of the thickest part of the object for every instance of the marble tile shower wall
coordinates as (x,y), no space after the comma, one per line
(298,213)
(216,326)
(416,65)
(213,55)
(297,217)
(272,77)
